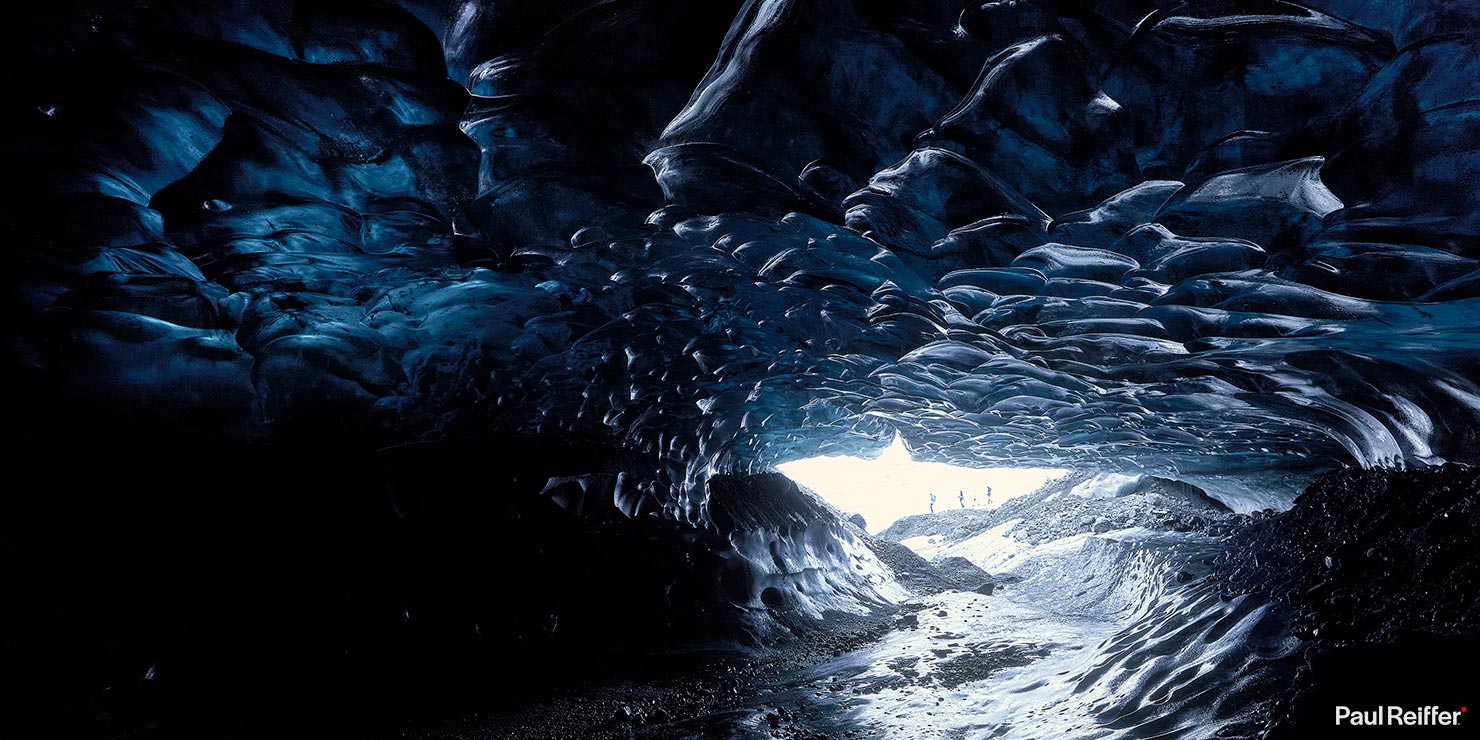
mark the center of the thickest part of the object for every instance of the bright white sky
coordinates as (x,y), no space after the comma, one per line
(894,485)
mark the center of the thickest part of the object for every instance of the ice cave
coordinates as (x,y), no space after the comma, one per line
(752,369)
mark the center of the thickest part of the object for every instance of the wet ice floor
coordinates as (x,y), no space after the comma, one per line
(970,667)
(1099,640)
(1117,636)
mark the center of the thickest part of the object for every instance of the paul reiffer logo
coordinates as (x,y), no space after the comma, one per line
(1394,716)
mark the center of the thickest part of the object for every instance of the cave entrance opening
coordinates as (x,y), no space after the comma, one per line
(895,485)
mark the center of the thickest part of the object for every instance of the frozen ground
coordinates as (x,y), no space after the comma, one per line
(1115,634)
(1105,636)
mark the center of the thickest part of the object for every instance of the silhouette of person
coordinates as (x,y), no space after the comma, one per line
(932,503)
(961,497)
(989,495)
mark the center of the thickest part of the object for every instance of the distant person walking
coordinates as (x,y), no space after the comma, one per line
(932,503)
(989,495)
(961,496)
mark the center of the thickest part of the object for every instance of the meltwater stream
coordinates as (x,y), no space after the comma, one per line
(1109,635)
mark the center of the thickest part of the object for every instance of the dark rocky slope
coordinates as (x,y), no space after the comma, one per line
(1381,569)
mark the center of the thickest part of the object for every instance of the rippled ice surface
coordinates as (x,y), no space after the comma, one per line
(1099,640)
(1102,250)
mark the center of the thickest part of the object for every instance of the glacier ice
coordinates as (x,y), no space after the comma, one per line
(424,339)
(989,240)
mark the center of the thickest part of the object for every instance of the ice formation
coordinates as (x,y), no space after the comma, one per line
(312,266)
(1034,234)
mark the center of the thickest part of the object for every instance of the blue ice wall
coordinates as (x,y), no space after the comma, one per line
(1225,241)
